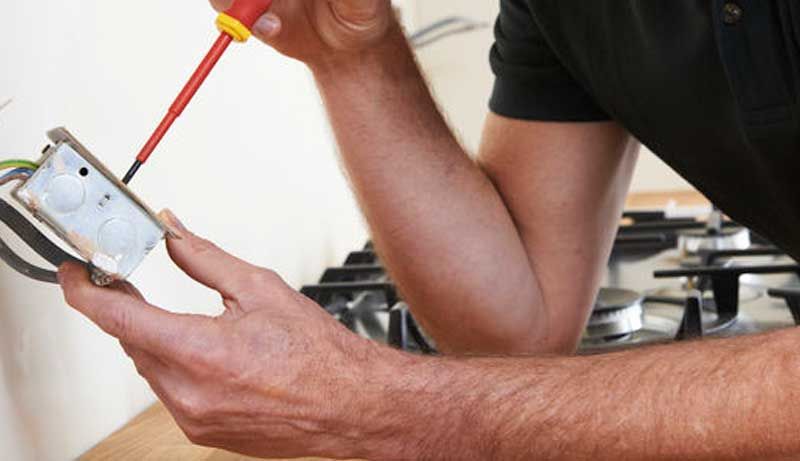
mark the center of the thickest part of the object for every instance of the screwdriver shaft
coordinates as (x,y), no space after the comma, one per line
(180,103)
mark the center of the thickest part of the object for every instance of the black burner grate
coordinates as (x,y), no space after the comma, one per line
(359,289)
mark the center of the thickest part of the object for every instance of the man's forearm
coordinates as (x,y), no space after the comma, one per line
(437,220)
(716,400)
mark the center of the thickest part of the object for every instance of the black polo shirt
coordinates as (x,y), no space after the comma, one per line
(708,85)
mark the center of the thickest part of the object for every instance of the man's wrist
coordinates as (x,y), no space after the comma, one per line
(412,404)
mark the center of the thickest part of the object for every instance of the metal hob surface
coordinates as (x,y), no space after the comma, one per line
(663,307)
(654,292)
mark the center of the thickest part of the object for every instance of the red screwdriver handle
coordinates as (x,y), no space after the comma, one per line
(248,11)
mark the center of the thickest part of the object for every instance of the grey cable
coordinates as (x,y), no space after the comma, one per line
(48,250)
(435,32)
(24,267)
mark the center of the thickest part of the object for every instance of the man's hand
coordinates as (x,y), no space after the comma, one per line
(316,31)
(272,376)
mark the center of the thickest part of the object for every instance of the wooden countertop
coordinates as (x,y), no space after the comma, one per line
(657,200)
(154,436)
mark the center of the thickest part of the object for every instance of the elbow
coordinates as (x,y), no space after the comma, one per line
(541,337)
(525,334)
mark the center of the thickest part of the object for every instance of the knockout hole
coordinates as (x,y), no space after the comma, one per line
(84,171)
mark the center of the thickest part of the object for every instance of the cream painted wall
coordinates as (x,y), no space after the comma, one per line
(251,165)
(459,72)
(269,189)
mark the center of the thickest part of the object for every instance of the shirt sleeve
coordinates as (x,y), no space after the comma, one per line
(531,83)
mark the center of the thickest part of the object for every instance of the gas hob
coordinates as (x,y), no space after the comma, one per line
(667,280)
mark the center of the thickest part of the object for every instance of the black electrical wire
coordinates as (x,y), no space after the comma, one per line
(24,267)
(48,250)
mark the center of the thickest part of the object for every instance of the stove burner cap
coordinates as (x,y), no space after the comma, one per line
(617,313)
(615,299)
(693,242)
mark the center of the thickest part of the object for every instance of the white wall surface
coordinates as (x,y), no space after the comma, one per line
(459,72)
(251,165)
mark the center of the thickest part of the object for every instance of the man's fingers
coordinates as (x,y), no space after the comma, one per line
(221,5)
(124,316)
(128,288)
(268,27)
(359,12)
(146,363)
(207,263)
(236,280)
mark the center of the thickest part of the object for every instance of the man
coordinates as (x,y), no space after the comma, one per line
(525,233)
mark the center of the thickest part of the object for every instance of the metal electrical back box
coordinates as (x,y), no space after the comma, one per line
(84,203)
